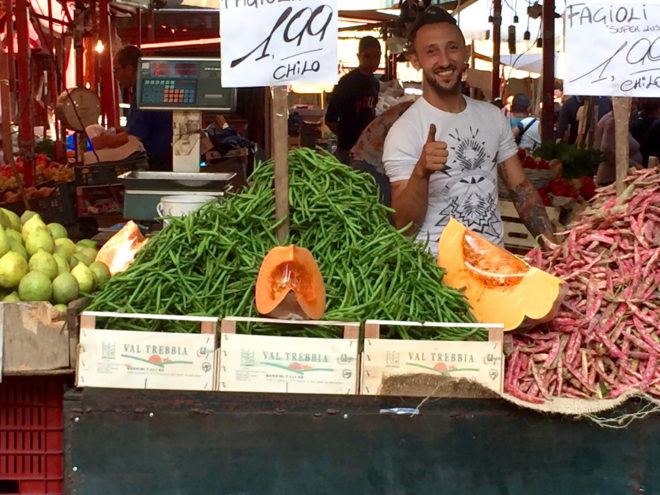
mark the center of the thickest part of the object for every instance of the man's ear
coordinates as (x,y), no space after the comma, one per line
(412,58)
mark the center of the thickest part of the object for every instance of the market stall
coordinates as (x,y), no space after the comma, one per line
(285,336)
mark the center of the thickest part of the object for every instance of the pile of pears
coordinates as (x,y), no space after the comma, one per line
(38,262)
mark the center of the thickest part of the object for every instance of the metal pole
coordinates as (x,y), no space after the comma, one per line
(26,126)
(547,131)
(497,24)
(139,27)
(108,96)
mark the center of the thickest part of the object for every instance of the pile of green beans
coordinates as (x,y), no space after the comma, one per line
(206,263)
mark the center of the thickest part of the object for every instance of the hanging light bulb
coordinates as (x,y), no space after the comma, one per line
(527,35)
(516,19)
(539,42)
(99,47)
(512,39)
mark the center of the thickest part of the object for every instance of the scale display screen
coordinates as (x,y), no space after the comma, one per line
(169,83)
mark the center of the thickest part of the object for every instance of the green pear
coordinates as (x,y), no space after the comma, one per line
(65,247)
(61,308)
(39,238)
(18,247)
(13,267)
(82,258)
(12,234)
(86,243)
(11,297)
(65,288)
(27,214)
(35,286)
(14,220)
(34,222)
(84,276)
(62,265)
(89,253)
(57,230)
(101,273)
(4,220)
(44,262)
(4,241)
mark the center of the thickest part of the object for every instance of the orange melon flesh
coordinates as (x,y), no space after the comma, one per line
(288,270)
(500,287)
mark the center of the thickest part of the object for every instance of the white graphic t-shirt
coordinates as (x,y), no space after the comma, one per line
(478,139)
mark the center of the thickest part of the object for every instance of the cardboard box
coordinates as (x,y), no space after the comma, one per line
(382,359)
(260,363)
(37,338)
(146,360)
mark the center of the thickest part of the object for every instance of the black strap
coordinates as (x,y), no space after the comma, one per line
(527,127)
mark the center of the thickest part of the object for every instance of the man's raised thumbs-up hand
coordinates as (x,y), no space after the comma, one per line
(434,155)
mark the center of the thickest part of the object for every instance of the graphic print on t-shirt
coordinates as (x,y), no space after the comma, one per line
(469,191)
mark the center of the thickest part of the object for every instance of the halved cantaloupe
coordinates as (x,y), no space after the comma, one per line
(500,287)
(289,280)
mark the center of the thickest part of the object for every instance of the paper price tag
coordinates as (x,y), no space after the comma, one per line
(275,43)
(613,49)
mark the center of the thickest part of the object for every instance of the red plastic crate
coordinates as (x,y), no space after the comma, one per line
(31,435)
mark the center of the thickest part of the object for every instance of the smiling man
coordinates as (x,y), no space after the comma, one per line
(444,153)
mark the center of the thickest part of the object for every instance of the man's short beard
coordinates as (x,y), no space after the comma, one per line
(441,90)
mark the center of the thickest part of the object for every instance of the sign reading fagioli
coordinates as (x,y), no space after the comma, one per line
(278,42)
(613,48)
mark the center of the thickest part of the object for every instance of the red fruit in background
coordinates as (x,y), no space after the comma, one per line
(543,164)
(522,153)
(561,187)
(588,188)
(543,193)
(529,162)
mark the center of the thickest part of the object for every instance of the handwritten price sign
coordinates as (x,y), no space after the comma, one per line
(613,49)
(277,42)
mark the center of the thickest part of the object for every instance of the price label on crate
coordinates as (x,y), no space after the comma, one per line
(255,363)
(149,360)
(275,43)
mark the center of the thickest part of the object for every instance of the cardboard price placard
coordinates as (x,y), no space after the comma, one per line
(613,49)
(275,43)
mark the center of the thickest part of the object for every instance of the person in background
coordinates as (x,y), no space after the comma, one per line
(353,102)
(153,128)
(443,154)
(525,128)
(645,128)
(567,124)
(604,141)
(367,154)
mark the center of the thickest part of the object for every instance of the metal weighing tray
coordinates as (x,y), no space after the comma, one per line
(143,189)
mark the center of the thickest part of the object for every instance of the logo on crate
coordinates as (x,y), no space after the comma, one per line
(392,358)
(445,362)
(248,357)
(345,359)
(159,355)
(296,362)
(108,350)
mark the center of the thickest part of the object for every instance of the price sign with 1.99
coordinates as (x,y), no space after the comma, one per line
(278,42)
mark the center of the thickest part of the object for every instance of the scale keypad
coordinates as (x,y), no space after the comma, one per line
(158,91)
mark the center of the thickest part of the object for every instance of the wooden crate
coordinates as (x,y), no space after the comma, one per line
(38,339)
(420,367)
(146,360)
(516,236)
(261,363)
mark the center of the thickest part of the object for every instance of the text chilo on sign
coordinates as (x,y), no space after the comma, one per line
(278,42)
(613,49)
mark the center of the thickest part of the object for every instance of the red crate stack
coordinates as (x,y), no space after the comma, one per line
(31,435)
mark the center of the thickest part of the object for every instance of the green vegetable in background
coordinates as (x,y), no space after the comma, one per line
(206,263)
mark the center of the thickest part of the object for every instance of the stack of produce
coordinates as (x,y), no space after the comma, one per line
(207,262)
(606,338)
(46,170)
(38,262)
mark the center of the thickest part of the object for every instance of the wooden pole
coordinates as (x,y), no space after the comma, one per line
(621,145)
(497,26)
(548,36)
(280,149)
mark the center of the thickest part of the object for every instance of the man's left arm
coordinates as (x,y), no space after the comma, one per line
(525,198)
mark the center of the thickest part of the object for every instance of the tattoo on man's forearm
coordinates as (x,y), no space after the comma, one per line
(531,209)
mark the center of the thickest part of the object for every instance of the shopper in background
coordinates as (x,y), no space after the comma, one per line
(525,128)
(645,128)
(605,142)
(353,102)
(153,128)
(567,123)
(443,154)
